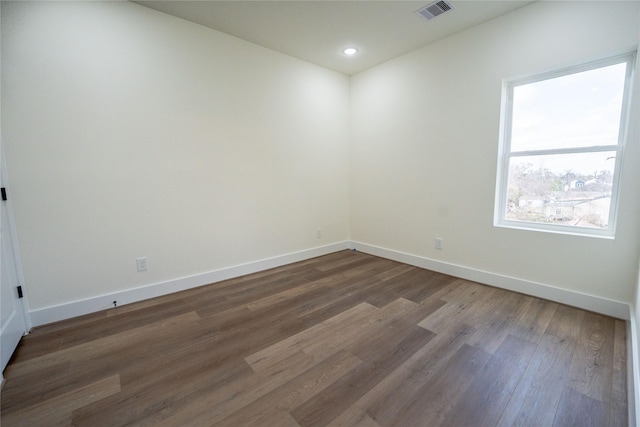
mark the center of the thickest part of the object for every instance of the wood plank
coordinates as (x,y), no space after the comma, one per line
(135,359)
(536,398)
(619,411)
(465,291)
(591,371)
(31,345)
(126,321)
(285,295)
(494,328)
(343,339)
(114,343)
(429,285)
(389,335)
(321,348)
(294,392)
(57,410)
(60,327)
(464,303)
(52,381)
(283,349)
(341,299)
(240,318)
(209,408)
(534,322)
(394,271)
(159,396)
(487,396)
(403,383)
(576,409)
(187,399)
(566,324)
(277,418)
(438,395)
(349,261)
(343,394)
(237,295)
(390,289)
(449,285)
(353,417)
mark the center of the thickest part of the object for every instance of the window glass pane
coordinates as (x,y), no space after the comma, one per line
(576,110)
(563,189)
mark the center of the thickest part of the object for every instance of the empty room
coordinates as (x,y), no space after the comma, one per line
(320,213)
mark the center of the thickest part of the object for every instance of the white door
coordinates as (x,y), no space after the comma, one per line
(12,324)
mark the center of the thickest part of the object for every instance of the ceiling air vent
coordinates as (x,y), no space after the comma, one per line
(434,9)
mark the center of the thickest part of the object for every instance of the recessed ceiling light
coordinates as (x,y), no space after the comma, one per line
(349,51)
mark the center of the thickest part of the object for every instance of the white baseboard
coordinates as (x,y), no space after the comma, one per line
(594,303)
(78,308)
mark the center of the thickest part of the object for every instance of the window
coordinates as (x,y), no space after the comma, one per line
(562,136)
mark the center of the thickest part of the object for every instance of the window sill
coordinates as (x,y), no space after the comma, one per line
(557,229)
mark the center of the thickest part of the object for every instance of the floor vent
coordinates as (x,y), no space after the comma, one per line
(434,9)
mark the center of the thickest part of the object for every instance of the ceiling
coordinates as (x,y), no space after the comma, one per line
(317,31)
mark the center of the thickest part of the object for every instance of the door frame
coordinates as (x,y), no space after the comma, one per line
(22,305)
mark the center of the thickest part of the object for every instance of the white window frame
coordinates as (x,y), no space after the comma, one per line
(505,153)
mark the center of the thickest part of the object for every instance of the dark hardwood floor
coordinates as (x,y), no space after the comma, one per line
(347,339)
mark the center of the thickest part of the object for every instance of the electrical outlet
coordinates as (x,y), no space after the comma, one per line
(438,242)
(319,233)
(141,263)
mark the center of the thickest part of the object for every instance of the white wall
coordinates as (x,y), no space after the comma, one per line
(425,143)
(131,133)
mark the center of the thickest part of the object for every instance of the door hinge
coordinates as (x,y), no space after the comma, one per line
(20,292)
(4,193)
